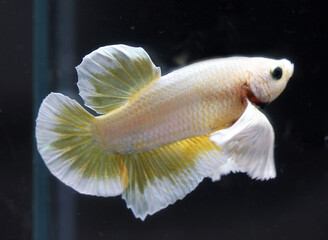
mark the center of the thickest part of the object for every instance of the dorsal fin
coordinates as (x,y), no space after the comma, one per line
(111,75)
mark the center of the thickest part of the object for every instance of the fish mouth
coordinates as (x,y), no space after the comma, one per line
(248,93)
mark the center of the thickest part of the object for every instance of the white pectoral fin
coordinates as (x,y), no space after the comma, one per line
(247,146)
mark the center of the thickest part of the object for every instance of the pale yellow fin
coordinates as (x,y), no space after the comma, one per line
(164,175)
(111,75)
(65,143)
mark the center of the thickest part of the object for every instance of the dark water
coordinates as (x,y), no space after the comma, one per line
(174,33)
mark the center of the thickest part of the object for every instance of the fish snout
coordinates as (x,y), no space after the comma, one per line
(288,67)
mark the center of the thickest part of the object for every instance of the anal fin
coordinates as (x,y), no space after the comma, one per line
(164,175)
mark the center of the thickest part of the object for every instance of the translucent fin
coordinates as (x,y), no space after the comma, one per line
(162,176)
(111,75)
(67,148)
(247,146)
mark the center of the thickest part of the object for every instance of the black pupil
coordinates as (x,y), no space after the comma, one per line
(277,73)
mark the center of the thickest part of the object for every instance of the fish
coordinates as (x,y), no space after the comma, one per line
(153,138)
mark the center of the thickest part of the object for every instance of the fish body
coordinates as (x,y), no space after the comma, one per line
(186,103)
(158,136)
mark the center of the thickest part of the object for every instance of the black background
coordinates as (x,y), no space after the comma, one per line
(292,206)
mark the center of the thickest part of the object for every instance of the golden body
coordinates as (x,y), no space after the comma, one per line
(189,102)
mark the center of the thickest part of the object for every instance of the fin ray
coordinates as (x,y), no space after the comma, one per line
(247,146)
(161,176)
(66,145)
(111,75)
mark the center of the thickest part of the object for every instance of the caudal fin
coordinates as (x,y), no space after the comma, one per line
(66,145)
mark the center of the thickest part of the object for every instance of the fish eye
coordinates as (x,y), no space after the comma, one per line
(276,73)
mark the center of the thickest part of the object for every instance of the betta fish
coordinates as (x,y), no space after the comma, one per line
(155,138)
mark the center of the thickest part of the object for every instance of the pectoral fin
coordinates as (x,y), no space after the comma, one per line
(247,146)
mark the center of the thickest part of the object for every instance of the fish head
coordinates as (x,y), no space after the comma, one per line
(267,79)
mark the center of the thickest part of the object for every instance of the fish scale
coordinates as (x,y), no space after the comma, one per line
(186,105)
